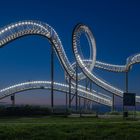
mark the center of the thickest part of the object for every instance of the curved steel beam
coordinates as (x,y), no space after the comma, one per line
(105,100)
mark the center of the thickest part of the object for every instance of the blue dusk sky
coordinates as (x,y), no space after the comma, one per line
(115,25)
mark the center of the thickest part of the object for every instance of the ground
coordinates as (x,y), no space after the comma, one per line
(71,128)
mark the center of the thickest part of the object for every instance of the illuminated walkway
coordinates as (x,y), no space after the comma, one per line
(23,28)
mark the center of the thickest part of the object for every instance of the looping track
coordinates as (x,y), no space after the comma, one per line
(16,30)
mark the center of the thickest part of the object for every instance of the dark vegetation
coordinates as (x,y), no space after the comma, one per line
(26,110)
(29,110)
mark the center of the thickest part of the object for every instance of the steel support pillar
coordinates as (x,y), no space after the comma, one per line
(126,89)
(91,92)
(52,79)
(90,86)
(113,102)
(76,91)
(126,82)
(66,97)
(13,99)
(80,106)
(66,102)
(69,93)
(85,100)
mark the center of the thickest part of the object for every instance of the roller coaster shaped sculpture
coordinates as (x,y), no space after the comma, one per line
(23,28)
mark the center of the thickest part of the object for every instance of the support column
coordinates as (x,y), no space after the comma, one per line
(52,79)
(85,100)
(126,81)
(90,86)
(76,91)
(91,102)
(69,93)
(113,104)
(13,99)
(80,106)
(126,89)
(66,102)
